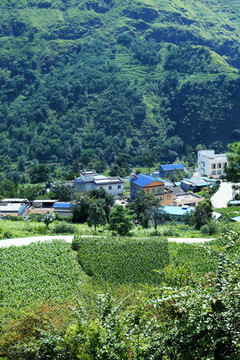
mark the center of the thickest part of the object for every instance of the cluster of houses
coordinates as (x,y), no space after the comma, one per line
(24,207)
(178,197)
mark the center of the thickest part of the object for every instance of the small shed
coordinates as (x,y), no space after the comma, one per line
(63,209)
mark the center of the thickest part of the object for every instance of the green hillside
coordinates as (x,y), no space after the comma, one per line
(103,77)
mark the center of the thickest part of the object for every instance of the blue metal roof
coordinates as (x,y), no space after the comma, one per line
(143,180)
(62,205)
(172,167)
(79,180)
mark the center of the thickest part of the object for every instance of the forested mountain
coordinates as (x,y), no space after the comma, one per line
(150,78)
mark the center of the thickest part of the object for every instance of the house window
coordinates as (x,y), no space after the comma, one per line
(225,164)
(219,166)
(213,172)
(110,188)
(213,166)
(157,190)
(168,197)
(119,186)
(219,172)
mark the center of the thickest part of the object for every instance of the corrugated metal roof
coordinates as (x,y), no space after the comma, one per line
(143,180)
(172,167)
(79,180)
(195,181)
(178,210)
(237,218)
(234,202)
(16,207)
(62,205)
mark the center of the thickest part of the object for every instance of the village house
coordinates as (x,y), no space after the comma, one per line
(178,213)
(187,199)
(151,185)
(166,171)
(14,207)
(42,206)
(195,184)
(211,164)
(90,180)
(63,208)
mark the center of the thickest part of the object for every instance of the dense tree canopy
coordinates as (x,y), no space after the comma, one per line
(113,79)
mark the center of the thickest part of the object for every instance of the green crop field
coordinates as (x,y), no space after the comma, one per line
(40,271)
(123,260)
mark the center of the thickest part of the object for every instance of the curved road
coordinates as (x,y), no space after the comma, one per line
(69,238)
(223,195)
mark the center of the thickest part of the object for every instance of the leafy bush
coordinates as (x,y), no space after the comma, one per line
(169,232)
(200,259)
(210,228)
(62,228)
(13,218)
(35,217)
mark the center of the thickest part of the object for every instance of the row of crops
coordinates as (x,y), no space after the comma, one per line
(39,271)
(132,260)
(123,260)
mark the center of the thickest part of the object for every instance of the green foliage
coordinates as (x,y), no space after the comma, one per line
(80,210)
(47,219)
(199,259)
(201,215)
(159,216)
(92,81)
(63,192)
(233,168)
(145,207)
(41,270)
(209,229)
(39,174)
(123,260)
(62,227)
(96,215)
(121,220)
(106,200)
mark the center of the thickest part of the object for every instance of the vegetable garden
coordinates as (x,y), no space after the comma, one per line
(36,272)
(123,260)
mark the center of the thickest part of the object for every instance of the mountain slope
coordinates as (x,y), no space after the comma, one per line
(142,77)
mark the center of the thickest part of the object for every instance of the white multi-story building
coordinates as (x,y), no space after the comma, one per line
(211,164)
(89,180)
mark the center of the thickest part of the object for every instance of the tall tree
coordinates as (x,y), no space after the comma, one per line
(96,215)
(143,206)
(121,220)
(107,200)
(233,168)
